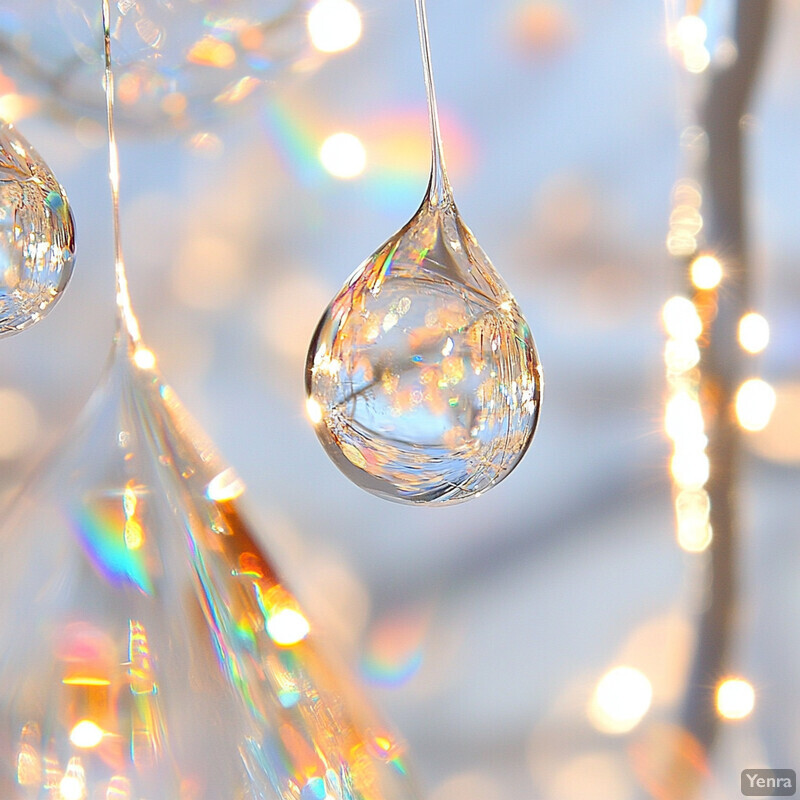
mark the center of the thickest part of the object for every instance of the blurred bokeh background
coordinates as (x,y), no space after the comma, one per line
(534,643)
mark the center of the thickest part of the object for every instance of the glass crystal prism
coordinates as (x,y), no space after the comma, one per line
(149,649)
(37,235)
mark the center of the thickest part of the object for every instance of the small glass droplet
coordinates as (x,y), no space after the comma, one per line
(37,235)
(422,378)
(148,646)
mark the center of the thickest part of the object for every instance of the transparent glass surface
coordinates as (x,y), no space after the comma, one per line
(149,650)
(422,378)
(176,63)
(37,235)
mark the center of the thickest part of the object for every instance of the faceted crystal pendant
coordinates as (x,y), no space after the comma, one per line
(149,650)
(37,236)
(422,378)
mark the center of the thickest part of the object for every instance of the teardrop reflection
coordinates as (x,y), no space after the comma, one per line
(149,648)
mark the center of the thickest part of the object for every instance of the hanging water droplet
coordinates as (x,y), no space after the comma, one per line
(37,237)
(148,647)
(422,378)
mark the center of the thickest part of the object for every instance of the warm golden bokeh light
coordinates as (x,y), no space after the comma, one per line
(681,319)
(680,355)
(755,402)
(683,418)
(753,332)
(343,155)
(144,358)
(334,25)
(622,697)
(736,698)
(690,468)
(692,509)
(86,734)
(689,39)
(287,627)
(706,272)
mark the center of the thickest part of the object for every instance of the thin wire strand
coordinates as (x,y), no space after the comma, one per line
(439,191)
(127,318)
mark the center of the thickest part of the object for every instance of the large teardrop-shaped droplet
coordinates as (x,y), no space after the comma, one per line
(422,378)
(37,236)
(148,648)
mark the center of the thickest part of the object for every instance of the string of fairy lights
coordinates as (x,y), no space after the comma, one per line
(687,320)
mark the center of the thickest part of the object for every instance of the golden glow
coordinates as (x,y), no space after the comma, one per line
(134,535)
(343,155)
(692,509)
(680,355)
(86,734)
(314,410)
(225,486)
(755,402)
(80,680)
(681,319)
(683,418)
(19,424)
(690,468)
(212,52)
(334,25)
(736,698)
(73,785)
(622,697)
(29,766)
(753,332)
(144,358)
(706,272)
(287,627)
(689,39)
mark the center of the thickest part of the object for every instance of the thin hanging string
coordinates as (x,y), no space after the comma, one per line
(439,191)
(127,319)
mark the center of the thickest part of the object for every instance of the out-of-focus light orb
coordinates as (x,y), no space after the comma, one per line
(227,485)
(622,697)
(683,419)
(680,355)
(86,734)
(780,440)
(706,272)
(690,468)
(755,402)
(287,627)
(692,509)
(681,319)
(343,155)
(541,28)
(19,424)
(736,698)
(144,358)
(753,332)
(689,38)
(334,25)
(71,787)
